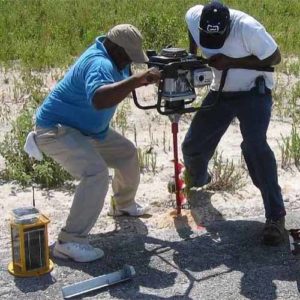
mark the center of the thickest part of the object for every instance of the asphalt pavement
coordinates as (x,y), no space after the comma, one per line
(223,260)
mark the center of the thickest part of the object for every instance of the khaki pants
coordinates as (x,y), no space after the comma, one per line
(87,160)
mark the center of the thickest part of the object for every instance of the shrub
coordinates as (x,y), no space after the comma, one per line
(225,175)
(18,165)
(290,149)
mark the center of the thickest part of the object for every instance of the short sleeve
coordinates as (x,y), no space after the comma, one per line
(257,40)
(97,75)
(192,18)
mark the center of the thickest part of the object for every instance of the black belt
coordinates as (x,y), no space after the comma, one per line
(240,93)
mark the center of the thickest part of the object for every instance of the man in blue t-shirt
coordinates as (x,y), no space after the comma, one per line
(72,127)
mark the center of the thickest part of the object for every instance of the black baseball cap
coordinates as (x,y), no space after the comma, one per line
(214,25)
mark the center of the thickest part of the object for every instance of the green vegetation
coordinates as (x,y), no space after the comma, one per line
(19,166)
(39,35)
(290,150)
(120,120)
(47,33)
(147,160)
(226,176)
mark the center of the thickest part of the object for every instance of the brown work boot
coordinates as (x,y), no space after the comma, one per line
(273,233)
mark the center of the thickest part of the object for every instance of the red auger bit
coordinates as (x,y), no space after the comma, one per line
(178,168)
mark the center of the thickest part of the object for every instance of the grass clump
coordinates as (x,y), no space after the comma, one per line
(147,160)
(290,149)
(18,166)
(225,175)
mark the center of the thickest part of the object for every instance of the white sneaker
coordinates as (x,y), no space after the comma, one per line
(77,252)
(133,210)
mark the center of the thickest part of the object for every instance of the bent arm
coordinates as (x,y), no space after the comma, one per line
(222,62)
(112,94)
(253,61)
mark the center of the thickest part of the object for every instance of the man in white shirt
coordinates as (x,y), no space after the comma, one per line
(239,48)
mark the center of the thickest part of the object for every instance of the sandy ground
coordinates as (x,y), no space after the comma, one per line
(153,131)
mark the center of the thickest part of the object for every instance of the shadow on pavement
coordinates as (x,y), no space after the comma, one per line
(188,261)
(34,284)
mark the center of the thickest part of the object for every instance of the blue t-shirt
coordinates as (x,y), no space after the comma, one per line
(70,102)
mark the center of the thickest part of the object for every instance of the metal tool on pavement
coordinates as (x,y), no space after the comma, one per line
(99,282)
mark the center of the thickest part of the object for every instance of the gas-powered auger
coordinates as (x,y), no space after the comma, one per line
(181,74)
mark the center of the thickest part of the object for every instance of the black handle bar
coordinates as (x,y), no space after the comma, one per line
(171,69)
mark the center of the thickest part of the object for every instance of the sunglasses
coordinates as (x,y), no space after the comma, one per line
(212,32)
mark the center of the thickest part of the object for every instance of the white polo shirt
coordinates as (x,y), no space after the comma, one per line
(247,37)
